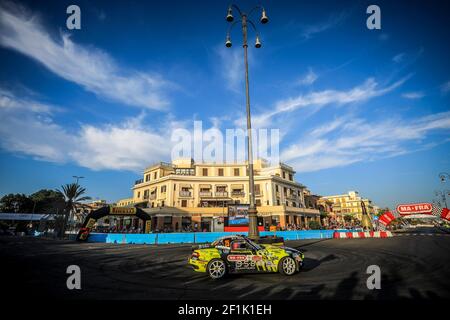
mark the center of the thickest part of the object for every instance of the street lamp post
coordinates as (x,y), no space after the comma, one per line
(253,231)
(77,178)
(444,176)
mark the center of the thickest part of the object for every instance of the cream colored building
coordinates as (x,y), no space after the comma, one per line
(184,193)
(349,204)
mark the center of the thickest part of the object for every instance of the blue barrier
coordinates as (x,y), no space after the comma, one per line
(97,237)
(201,237)
(175,238)
(141,238)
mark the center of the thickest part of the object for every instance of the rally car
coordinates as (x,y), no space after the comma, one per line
(239,254)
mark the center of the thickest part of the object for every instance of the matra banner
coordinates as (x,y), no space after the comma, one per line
(415,208)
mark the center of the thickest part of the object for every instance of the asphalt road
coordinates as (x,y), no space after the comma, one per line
(414,265)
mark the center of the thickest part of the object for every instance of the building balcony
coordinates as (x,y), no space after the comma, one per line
(138,181)
(152,197)
(186,194)
(221,194)
(205,194)
(237,193)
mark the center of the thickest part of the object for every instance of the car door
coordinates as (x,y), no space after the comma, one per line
(240,258)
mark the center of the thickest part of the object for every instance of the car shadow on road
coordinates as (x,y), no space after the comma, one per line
(311,263)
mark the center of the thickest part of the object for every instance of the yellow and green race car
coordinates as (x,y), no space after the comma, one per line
(239,254)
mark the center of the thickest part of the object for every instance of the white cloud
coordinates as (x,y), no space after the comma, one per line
(398,58)
(333,21)
(308,79)
(232,67)
(28,128)
(363,92)
(413,95)
(89,67)
(125,147)
(445,87)
(357,140)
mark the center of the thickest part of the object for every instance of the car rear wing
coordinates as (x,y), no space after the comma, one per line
(274,240)
(202,246)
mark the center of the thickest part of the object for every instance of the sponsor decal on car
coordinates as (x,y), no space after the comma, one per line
(236,258)
(245,265)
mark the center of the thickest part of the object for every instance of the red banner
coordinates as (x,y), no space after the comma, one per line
(386,218)
(445,214)
(415,208)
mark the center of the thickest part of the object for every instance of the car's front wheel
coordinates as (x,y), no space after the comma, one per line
(287,266)
(216,269)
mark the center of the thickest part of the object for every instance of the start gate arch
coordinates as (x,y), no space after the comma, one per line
(92,218)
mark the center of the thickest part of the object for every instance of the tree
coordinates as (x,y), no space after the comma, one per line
(314,225)
(381,211)
(73,195)
(48,201)
(16,203)
(323,215)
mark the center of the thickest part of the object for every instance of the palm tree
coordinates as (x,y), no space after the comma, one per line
(72,193)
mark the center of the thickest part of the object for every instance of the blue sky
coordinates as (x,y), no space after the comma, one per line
(357,109)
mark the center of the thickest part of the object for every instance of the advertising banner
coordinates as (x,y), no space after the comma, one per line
(238,215)
(415,208)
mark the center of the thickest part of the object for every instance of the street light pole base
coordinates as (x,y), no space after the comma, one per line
(253,232)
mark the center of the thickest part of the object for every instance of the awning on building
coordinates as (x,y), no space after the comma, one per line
(165,212)
(205,186)
(185,185)
(26,216)
(237,186)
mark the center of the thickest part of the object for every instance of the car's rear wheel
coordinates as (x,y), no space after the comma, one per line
(287,266)
(216,269)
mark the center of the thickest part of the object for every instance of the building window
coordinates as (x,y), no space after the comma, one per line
(147,177)
(174,187)
(287,203)
(284,175)
(294,204)
(220,172)
(276,188)
(163,189)
(221,188)
(278,202)
(267,202)
(146,194)
(162,203)
(257,189)
(236,172)
(155,174)
(290,177)
(184,203)
(285,191)
(139,194)
(205,172)
(258,202)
